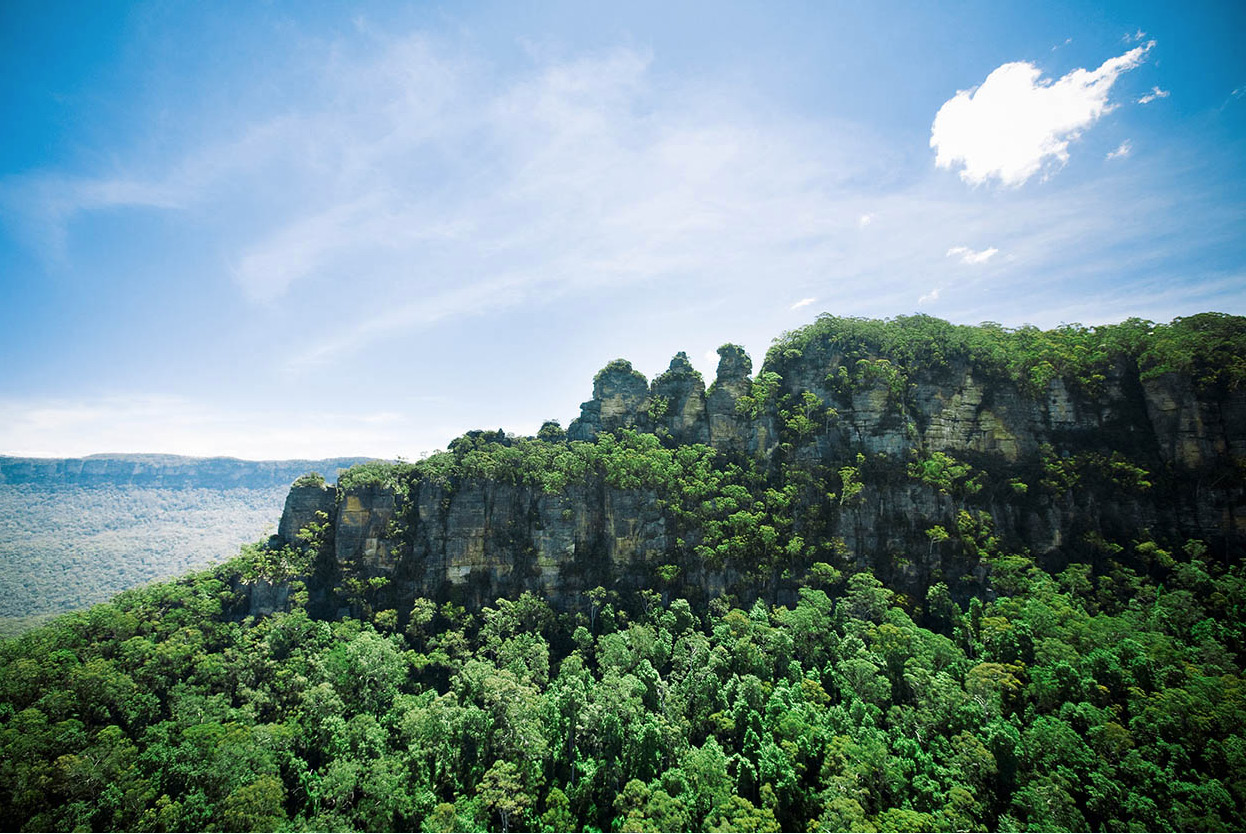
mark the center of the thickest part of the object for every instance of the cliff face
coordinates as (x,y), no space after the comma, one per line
(1065,471)
(302,505)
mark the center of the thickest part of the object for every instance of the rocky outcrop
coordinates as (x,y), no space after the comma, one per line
(268,597)
(730,427)
(837,421)
(485,539)
(364,528)
(619,391)
(303,503)
(677,407)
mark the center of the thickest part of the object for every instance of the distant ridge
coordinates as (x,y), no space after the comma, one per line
(160,470)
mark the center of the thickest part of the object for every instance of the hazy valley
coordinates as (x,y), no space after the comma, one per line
(74,532)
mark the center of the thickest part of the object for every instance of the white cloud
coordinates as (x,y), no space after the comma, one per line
(1017,122)
(970,256)
(1122,150)
(865,220)
(933,295)
(1134,38)
(804,302)
(1155,93)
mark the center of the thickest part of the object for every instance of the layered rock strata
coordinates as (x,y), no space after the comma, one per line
(482,539)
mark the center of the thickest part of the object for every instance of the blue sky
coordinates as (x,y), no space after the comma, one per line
(301,229)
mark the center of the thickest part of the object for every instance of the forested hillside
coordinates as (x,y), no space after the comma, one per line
(909,576)
(1067,702)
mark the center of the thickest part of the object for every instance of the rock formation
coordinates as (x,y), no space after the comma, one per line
(302,505)
(842,418)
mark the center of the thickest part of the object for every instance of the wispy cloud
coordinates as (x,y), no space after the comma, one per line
(804,302)
(1155,93)
(929,297)
(41,207)
(1017,122)
(970,256)
(1122,150)
(413,186)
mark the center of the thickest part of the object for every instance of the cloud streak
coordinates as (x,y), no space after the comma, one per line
(1122,150)
(970,256)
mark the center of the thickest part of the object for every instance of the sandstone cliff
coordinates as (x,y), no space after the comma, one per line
(923,471)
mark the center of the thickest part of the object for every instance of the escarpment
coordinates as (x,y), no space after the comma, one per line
(927,452)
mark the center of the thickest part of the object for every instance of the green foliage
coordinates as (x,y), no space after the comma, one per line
(1208,347)
(619,367)
(946,474)
(1062,473)
(376,473)
(761,393)
(160,711)
(311,479)
(501,791)
(870,372)
(850,484)
(551,432)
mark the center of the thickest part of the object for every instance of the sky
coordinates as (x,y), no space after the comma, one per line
(276,230)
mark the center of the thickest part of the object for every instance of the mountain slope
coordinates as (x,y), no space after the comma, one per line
(979,580)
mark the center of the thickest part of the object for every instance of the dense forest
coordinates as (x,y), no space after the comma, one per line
(1095,685)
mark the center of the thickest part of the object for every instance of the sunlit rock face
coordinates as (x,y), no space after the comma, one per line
(812,411)
(618,394)
(302,505)
(676,404)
